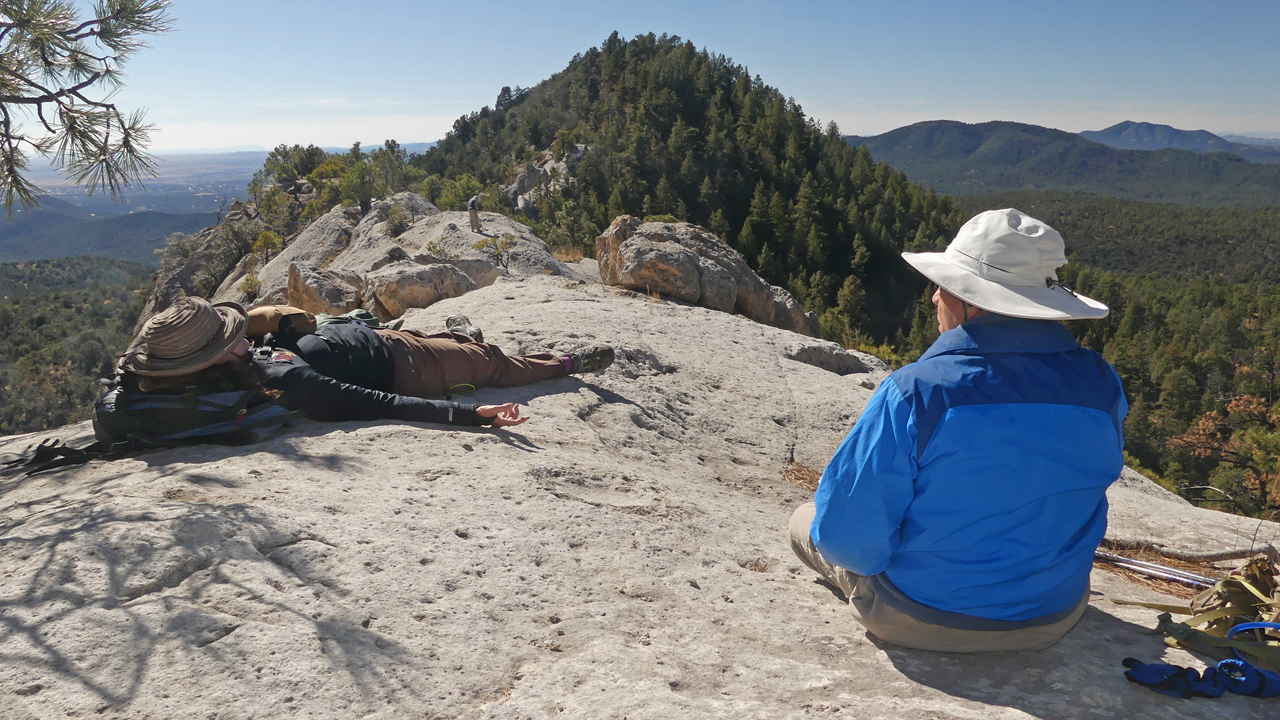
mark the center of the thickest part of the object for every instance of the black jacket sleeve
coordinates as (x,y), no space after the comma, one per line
(322,398)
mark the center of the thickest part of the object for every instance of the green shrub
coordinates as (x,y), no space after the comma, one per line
(397,221)
(250,286)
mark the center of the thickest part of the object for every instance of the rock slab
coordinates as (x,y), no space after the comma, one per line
(622,554)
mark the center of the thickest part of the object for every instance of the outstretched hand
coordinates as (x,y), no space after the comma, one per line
(504,415)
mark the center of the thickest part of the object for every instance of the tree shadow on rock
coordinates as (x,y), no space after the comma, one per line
(92,592)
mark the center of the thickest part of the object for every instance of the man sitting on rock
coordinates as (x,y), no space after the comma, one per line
(962,511)
(342,371)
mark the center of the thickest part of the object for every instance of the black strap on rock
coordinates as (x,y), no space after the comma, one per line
(52,454)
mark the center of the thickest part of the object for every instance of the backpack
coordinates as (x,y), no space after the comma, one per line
(128,420)
(1237,613)
(359,315)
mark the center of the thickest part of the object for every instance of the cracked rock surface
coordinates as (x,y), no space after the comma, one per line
(622,554)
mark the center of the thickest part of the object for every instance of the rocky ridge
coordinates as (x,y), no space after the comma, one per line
(623,554)
(344,261)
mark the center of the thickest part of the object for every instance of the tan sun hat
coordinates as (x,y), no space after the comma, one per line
(189,336)
(1006,262)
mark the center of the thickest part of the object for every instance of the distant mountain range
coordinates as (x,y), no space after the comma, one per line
(963,159)
(1251,139)
(184,198)
(187,183)
(60,229)
(1130,135)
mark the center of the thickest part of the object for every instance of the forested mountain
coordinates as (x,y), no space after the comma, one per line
(59,229)
(42,277)
(1200,361)
(1130,135)
(992,157)
(56,343)
(681,133)
(1137,237)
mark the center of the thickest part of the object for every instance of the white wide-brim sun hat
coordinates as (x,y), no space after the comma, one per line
(1005,262)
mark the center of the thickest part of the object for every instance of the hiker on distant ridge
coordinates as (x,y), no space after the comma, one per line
(342,371)
(473,207)
(962,511)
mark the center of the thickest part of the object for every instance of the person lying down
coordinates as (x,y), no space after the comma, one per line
(336,372)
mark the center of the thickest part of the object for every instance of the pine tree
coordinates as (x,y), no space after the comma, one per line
(59,71)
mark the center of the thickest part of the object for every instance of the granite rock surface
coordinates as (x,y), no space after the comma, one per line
(622,554)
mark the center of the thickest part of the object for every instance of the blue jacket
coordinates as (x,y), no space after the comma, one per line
(976,478)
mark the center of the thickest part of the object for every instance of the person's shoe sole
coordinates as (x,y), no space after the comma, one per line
(462,324)
(593,359)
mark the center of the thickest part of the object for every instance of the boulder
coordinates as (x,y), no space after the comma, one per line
(687,262)
(831,357)
(321,291)
(524,183)
(482,272)
(392,290)
(660,267)
(717,286)
(525,205)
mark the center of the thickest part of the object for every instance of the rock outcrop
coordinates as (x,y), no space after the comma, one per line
(401,286)
(622,554)
(343,260)
(688,263)
(537,178)
(321,291)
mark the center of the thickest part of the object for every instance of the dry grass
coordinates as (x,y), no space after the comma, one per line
(1164,587)
(758,565)
(1167,587)
(567,253)
(802,475)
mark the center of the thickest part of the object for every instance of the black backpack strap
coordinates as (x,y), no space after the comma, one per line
(52,454)
(284,418)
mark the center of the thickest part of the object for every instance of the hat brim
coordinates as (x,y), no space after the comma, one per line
(234,323)
(1033,303)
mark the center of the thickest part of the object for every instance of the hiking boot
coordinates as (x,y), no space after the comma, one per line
(462,324)
(594,359)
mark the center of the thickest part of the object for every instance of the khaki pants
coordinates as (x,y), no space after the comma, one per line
(894,626)
(475,221)
(438,364)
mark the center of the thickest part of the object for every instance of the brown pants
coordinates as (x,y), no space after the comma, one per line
(475,221)
(444,363)
(895,626)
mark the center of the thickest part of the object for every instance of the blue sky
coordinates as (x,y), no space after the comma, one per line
(240,74)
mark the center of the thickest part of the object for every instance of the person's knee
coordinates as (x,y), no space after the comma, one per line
(798,529)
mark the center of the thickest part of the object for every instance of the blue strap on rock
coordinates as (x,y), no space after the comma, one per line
(1174,681)
(1237,676)
(1242,678)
